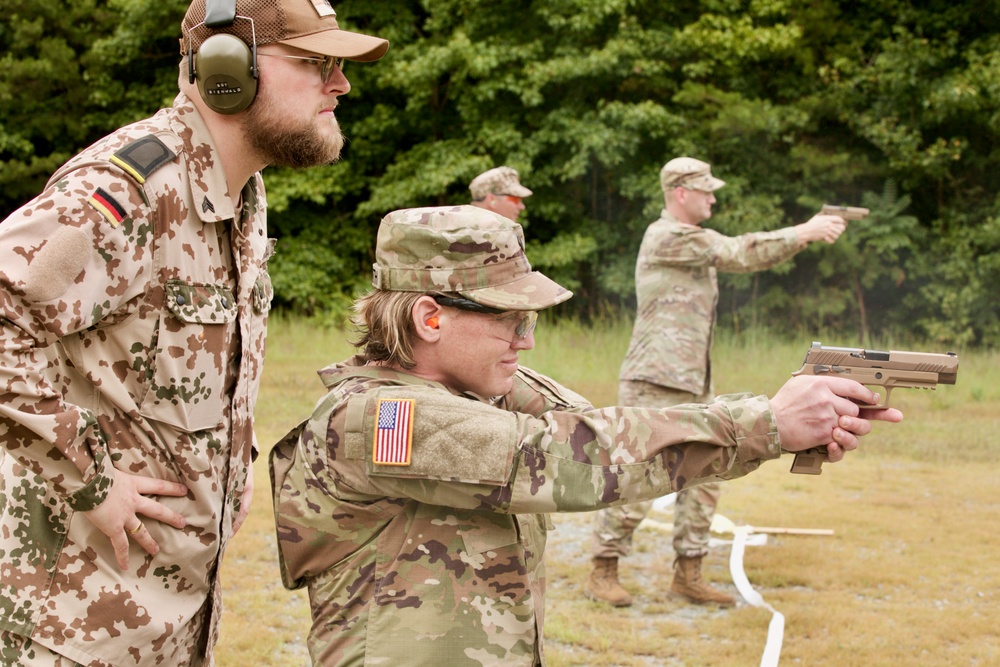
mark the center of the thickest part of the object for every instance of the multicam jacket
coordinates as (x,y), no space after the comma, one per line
(677,291)
(132,325)
(439,560)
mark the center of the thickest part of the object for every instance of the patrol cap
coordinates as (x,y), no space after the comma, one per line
(305,24)
(498,181)
(689,173)
(465,249)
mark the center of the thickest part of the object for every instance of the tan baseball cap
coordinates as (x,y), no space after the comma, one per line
(498,181)
(310,25)
(687,172)
(465,249)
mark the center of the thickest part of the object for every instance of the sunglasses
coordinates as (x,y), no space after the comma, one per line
(524,320)
(326,64)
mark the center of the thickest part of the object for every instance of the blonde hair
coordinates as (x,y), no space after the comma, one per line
(384,322)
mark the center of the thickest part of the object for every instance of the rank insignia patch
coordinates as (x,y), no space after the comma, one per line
(107,206)
(142,157)
(393,432)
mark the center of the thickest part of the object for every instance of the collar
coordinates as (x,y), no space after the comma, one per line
(206,176)
(356,367)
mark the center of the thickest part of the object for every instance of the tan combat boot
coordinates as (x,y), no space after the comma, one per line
(603,584)
(689,585)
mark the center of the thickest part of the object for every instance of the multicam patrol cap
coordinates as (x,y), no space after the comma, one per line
(465,249)
(498,181)
(689,173)
(310,25)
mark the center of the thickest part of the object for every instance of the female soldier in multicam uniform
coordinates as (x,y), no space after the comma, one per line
(413,502)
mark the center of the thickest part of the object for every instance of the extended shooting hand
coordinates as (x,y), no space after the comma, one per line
(827,413)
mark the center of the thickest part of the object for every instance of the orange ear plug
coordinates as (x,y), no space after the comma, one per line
(432,322)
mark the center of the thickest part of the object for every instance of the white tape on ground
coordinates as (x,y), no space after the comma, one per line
(776,629)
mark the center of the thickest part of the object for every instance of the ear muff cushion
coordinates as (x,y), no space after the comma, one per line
(224,70)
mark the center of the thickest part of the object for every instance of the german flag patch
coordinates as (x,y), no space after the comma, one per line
(107,206)
(393,432)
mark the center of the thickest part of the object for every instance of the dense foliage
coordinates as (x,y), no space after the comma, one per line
(889,104)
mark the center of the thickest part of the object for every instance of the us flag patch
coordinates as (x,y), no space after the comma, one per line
(393,432)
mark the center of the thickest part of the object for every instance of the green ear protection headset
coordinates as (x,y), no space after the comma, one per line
(225,67)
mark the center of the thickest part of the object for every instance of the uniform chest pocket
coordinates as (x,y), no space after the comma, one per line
(195,340)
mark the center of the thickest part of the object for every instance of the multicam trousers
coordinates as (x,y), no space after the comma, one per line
(694,509)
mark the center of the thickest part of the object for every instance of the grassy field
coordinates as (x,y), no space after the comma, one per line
(910,576)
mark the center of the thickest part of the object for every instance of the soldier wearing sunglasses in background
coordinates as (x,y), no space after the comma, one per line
(133,307)
(499,190)
(413,502)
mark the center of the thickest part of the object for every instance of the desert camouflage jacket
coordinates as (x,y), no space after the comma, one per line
(677,291)
(132,326)
(439,560)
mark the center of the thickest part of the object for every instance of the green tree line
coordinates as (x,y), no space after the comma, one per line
(889,104)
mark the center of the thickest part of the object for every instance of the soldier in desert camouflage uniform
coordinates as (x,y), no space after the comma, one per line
(668,360)
(413,502)
(499,190)
(134,297)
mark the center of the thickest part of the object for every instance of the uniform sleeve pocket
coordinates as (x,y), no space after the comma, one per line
(490,534)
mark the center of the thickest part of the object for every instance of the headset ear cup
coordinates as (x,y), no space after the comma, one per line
(226,73)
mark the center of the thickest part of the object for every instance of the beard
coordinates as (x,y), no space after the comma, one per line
(270,132)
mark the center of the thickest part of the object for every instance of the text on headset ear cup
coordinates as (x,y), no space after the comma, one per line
(224,69)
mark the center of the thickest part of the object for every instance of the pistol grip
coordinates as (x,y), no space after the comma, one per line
(810,461)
